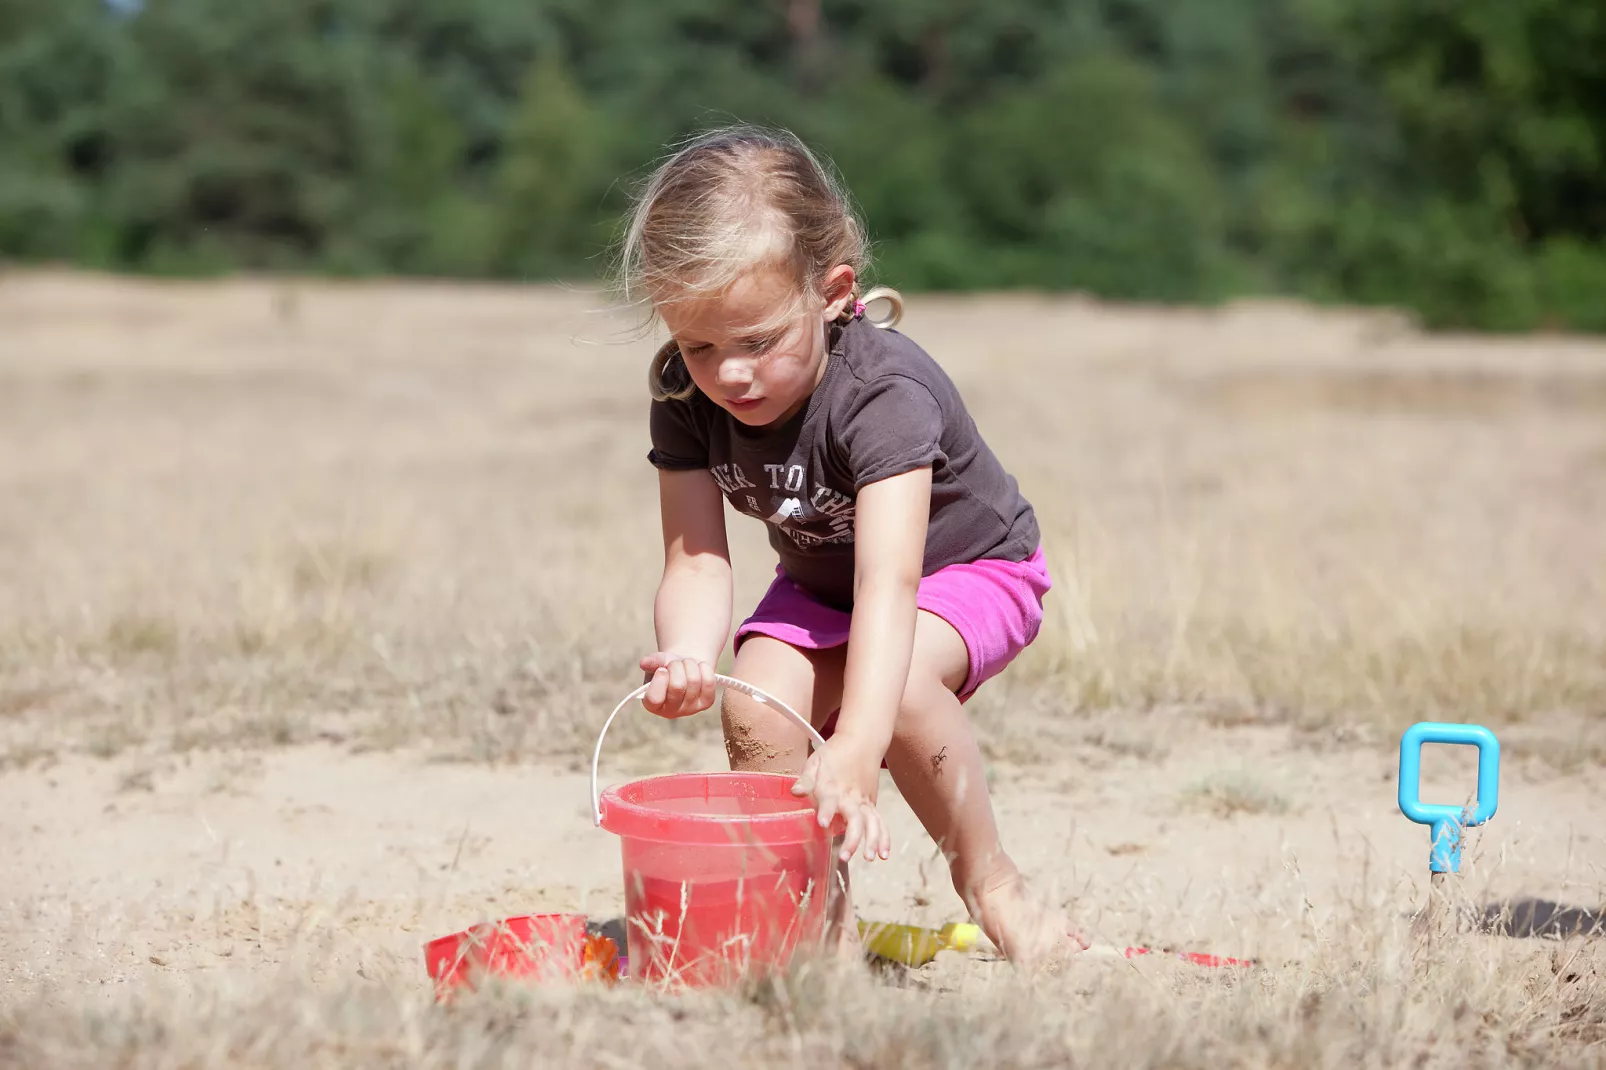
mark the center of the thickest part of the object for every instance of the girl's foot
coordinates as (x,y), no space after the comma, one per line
(1031,935)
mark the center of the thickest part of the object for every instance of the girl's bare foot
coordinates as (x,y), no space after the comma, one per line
(1031,935)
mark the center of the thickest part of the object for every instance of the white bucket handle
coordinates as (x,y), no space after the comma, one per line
(729,682)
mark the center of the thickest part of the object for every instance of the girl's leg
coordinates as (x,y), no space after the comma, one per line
(937,765)
(761,739)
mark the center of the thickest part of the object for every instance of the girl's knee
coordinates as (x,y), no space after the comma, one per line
(758,738)
(924,703)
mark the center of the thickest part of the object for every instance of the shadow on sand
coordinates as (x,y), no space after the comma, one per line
(1528,917)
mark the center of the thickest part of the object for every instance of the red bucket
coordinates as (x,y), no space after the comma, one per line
(726,874)
(539,948)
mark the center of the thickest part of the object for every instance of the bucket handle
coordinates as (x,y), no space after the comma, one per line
(730,683)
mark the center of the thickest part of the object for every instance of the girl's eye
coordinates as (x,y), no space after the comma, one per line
(751,345)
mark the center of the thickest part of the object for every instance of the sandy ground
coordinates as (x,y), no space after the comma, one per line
(312,599)
(173,873)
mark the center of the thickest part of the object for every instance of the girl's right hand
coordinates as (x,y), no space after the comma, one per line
(677,686)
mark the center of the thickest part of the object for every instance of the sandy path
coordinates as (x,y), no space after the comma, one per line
(126,872)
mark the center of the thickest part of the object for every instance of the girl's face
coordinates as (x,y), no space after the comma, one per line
(759,377)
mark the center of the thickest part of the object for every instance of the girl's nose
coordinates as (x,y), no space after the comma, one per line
(734,372)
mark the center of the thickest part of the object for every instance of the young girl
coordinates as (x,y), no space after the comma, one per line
(910,570)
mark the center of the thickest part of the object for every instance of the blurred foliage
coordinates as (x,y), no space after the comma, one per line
(1445,157)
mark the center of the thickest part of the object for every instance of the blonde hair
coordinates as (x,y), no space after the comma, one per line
(729,201)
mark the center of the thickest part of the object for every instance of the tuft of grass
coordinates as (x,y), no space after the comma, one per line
(108,739)
(139,777)
(335,568)
(136,634)
(26,755)
(1229,794)
(1130,743)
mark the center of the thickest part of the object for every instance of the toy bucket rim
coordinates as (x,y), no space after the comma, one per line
(800,819)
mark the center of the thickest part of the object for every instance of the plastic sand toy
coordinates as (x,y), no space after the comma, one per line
(725,874)
(914,946)
(1447,824)
(537,948)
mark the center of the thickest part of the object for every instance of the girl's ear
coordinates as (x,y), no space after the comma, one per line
(838,289)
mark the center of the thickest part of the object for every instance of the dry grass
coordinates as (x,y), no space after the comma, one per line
(1365,1000)
(420,515)
(423,513)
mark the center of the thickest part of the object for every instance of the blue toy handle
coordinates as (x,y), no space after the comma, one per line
(1447,822)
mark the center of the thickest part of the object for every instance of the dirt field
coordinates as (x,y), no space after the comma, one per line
(313,596)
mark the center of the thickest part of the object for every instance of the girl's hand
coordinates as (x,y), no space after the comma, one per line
(678,686)
(842,778)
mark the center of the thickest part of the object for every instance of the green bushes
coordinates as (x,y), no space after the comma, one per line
(1449,159)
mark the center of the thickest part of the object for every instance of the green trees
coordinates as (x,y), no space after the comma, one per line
(551,194)
(1446,157)
(57,67)
(1502,109)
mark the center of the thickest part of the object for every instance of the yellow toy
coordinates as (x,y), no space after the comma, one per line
(914,946)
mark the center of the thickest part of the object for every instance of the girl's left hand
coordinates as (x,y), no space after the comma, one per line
(843,782)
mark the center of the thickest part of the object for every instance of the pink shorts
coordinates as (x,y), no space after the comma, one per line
(995,606)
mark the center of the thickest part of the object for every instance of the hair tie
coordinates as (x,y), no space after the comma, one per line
(858,308)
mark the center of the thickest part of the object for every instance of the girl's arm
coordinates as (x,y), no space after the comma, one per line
(692,612)
(889,556)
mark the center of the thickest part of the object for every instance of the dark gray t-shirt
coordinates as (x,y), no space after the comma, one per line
(884,407)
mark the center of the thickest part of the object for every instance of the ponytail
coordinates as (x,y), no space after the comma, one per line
(894,301)
(667,376)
